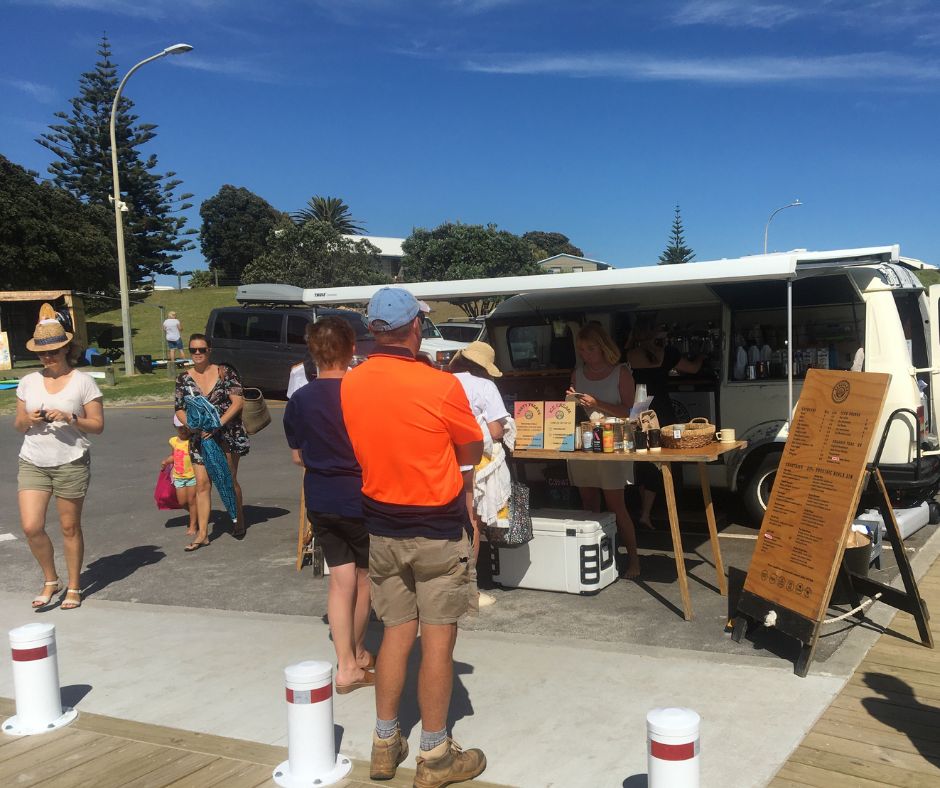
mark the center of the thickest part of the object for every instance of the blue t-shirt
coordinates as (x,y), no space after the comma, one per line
(313,423)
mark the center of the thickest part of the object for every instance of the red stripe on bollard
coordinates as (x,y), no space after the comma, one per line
(674,752)
(309,696)
(30,654)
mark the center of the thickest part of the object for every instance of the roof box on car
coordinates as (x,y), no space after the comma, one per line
(269,294)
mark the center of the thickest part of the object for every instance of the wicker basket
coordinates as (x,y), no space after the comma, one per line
(696,434)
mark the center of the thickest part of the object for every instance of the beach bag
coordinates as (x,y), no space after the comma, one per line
(255,415)
(519,530)
(165,493)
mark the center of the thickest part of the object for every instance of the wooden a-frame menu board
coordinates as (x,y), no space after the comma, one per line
(814,500)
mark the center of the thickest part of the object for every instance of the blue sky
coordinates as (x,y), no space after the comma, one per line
(591,118)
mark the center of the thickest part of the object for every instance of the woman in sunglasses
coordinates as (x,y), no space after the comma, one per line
(218,383)
(652,359)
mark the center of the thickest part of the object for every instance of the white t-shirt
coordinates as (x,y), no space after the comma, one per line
(298,378)
(48,445)
(172,327)
(486,404)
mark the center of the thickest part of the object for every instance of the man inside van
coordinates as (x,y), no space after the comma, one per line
(411,429)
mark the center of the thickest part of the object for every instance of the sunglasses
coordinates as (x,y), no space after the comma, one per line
(49,352)
(198,349)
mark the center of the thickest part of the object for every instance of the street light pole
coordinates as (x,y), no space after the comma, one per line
(793,204)
(121,207)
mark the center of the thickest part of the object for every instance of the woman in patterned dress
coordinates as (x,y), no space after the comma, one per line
(219,383)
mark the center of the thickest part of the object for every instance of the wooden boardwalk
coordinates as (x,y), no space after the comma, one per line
(884,727)
(103,752)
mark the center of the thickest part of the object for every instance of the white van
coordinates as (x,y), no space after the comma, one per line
(786,312)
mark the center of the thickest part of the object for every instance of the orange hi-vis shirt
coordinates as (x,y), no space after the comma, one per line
(404,418)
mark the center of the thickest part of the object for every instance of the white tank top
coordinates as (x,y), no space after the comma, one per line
(606,389)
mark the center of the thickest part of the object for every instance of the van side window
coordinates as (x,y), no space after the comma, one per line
(230,325)
(296,325)
(529,346)
(357,321)
(263,327)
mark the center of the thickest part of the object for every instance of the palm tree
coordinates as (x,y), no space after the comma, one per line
(331,210)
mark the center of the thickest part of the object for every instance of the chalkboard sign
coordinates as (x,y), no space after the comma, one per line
(816,491)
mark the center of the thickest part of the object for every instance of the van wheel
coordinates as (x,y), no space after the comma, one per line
(759,485)
(934,509)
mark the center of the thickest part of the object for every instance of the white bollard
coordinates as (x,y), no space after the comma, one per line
(672,748)
(312,759)
(36,682)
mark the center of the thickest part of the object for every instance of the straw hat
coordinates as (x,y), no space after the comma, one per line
(49,333)
(482,354)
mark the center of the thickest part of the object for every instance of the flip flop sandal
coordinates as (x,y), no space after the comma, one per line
(368,680)
(371,664)
(194,546)
(44,599)
(72,605)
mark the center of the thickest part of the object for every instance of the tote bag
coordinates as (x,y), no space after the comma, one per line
(255,415)
(519,530)
(164,494)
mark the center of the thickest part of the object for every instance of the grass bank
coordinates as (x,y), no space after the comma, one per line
(192,308)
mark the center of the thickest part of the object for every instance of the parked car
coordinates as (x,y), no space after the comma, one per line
(264,336)
(461,330)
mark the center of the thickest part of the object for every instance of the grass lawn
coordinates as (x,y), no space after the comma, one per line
(192,308)
(139,388)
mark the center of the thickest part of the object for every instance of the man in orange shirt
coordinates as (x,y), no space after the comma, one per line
(411,429)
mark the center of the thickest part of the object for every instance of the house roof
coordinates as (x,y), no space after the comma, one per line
(388,246)
(556,258)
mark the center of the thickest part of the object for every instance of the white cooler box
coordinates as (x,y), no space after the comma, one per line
(571,551)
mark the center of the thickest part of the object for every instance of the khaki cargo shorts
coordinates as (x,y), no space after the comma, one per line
(63,481)
(433,580)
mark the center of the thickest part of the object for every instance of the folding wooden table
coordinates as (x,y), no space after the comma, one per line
(663,460)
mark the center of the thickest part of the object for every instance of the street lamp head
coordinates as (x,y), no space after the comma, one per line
(795,203)
(178,49)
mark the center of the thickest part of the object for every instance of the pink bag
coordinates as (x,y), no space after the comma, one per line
(165,493)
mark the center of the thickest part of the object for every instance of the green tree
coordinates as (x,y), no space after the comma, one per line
(331,210)
(235,227)
(49,239)
(155,233)
(202,279)
(315,255)
(676,252)
(466,251)
(550,244)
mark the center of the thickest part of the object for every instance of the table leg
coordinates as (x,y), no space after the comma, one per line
(712,528)
(676,538)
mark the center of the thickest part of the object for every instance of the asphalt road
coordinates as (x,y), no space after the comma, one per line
(134,553)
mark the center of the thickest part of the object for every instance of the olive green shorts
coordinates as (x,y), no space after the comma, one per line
(63,481)
(432,580)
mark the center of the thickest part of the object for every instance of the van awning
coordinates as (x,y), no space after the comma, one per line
(754,268)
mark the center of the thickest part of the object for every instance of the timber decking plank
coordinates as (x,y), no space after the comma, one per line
(216,772)
(904,700)
(32,769)
(865,722)
(927,719)
(151,759)
(858,770)
(185,764)
(872,752)
(16,745)
(822,778)
(876,683)
(89,774)
(890,739)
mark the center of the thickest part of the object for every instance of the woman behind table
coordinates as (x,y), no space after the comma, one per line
(316,434)
(475,368)
(652,358)
(219,384)
(602,384)
(174,337)
(56,409)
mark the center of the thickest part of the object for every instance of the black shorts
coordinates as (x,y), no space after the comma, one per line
(344,540)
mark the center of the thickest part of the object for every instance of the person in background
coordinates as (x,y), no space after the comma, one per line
(652,358)
(313,423)
(56,409)
(220,384)
(174,337)
(475,368)
(602,385)
(411,429)
(184,477)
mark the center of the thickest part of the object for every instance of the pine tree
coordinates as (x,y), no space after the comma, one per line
(154,232)
(677,251)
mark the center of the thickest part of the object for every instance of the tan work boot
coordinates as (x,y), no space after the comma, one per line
(386,755)
(453,766)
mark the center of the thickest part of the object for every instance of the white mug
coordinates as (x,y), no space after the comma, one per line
(725,436)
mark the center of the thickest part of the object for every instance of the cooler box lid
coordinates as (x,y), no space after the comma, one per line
(560,521)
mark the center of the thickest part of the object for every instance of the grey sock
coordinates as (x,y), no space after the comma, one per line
(385,729)
(430,739)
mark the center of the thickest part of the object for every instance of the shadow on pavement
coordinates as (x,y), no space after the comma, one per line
(254,515)
(72,694)
(104,571)
(636,781)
